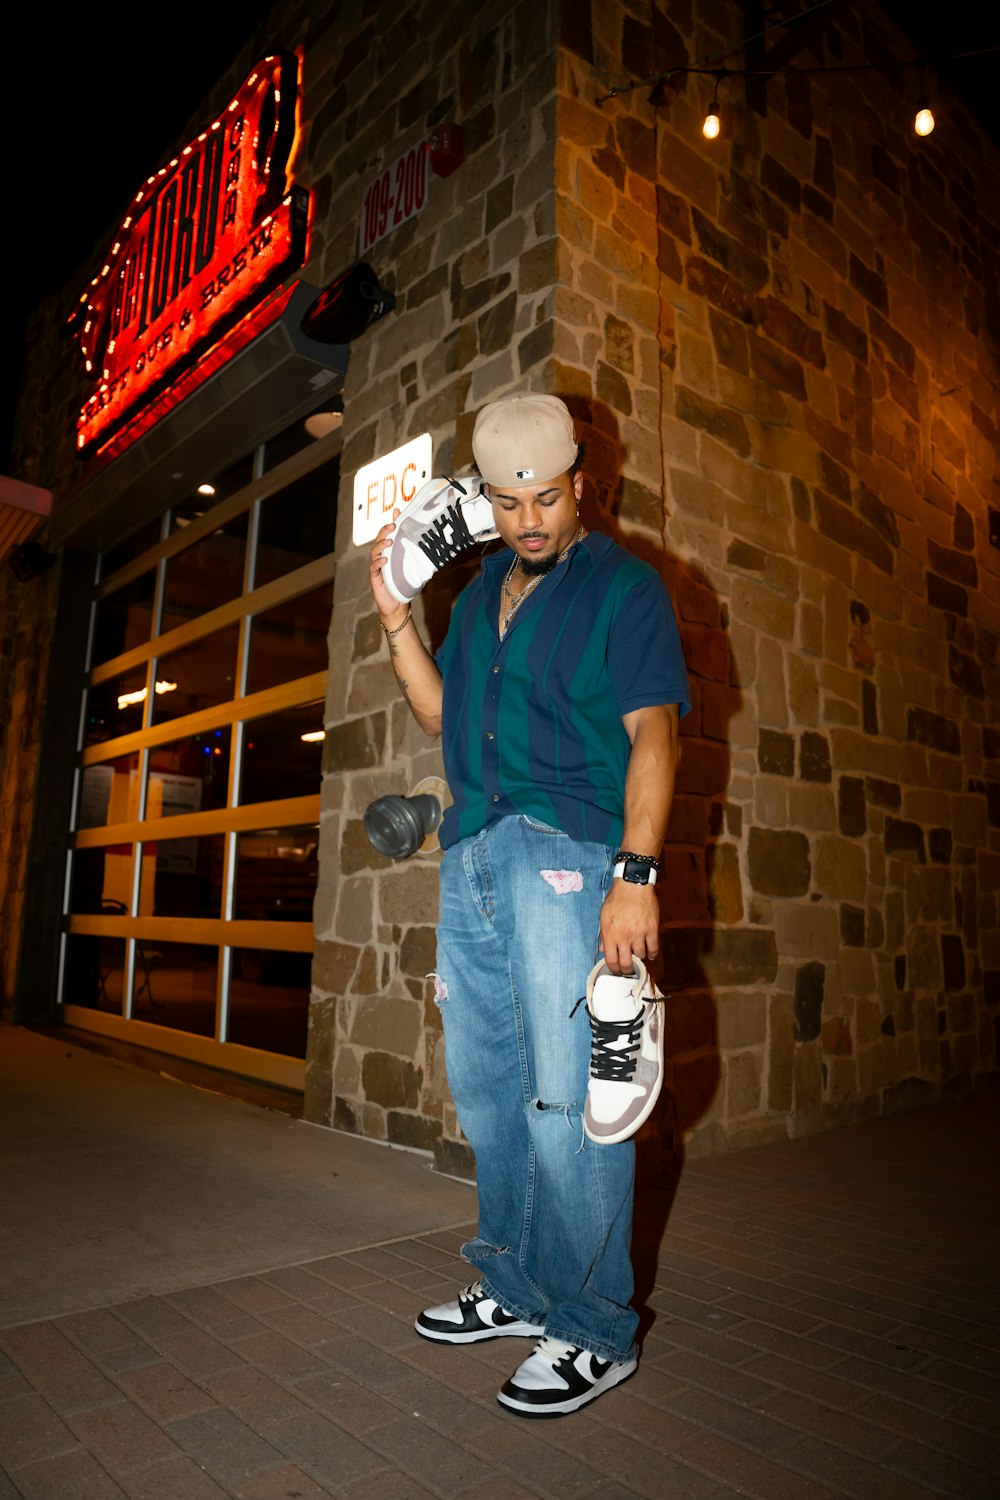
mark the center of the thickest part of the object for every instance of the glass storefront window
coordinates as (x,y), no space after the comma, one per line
(203,674)
(277,761)
(101,881)
(269,1000)
(95,973)
(205,575)
(124,619)
(290,641)
(115,706)
(276,871)
(176,985)
(219,488)
(298,524)
(297,436)
(182,877)
(175,889)
(132,547)
(189,775)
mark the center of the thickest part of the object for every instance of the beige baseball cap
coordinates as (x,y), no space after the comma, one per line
(524,440)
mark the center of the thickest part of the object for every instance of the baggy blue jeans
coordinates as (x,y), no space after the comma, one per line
(517,938)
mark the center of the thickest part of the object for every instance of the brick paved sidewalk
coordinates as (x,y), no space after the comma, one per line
(822,1318)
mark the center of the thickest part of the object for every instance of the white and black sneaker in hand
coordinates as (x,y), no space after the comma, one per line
(471,1319)
(625,1012)
(444,518)
(559,1378)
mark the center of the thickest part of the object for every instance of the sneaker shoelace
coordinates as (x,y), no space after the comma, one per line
(447,536)
(471,1293)
(614,1052)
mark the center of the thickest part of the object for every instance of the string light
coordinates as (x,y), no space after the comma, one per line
(660,84)
(712,125)
(923,120)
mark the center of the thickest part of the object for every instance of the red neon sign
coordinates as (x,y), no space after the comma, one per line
(205,238)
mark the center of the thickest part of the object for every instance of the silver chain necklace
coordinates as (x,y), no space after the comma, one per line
(509,603)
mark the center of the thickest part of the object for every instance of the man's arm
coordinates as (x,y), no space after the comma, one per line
(630,916)
(416,670)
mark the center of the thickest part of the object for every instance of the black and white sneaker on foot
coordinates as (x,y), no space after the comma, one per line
(559,1378)
(625,1012)
(471,1319)
(444,518)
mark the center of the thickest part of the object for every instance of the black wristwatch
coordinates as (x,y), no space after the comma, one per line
(637,869)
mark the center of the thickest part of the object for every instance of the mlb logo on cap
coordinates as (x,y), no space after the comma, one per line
(524,439)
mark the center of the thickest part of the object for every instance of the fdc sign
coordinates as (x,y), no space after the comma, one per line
(388,484)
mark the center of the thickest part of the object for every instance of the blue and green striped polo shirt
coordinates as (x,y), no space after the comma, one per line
(532,724)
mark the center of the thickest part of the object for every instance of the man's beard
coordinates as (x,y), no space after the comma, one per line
(537,567)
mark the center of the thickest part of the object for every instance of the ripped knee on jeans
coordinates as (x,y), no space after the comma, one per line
(572,1108)
(571,1112)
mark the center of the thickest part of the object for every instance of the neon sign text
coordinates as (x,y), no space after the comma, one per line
(206,237)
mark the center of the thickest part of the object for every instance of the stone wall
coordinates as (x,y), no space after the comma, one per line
(781,353)
(474,276)
(817,284)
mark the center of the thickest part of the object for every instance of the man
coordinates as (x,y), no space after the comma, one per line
(557,693)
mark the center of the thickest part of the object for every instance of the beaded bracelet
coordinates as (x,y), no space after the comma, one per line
(642,859)
(390,633)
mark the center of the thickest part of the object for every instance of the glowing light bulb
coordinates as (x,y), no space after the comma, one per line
(923,122)
(711,127)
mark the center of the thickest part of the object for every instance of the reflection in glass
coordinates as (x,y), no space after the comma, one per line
(175,986)
(269,1000)
(297,436)
(235,478)
(189,775)
(276,870)
(204,672)
(277,762)
(290,641)
(124,619)
(101,881)
(132,547)
(298,524)
(182,877)
(115,706)
(205,575)
(95,973)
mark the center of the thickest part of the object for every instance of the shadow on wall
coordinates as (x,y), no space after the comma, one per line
(699,889)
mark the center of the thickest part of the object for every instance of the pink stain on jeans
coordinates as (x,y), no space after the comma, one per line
(562,881)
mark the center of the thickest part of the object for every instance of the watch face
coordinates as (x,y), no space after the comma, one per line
(635,872)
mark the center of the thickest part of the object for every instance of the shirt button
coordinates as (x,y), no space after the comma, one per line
(495,670)
(496,797)
(489,734)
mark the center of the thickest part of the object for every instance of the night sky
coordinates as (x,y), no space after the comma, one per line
(103,102)
(103,99)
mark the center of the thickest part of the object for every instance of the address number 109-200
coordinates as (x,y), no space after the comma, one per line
(399,192)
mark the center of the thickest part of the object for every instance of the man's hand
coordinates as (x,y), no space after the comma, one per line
(388,607)
(630,924)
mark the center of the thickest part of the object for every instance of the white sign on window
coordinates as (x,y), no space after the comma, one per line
(388,484)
